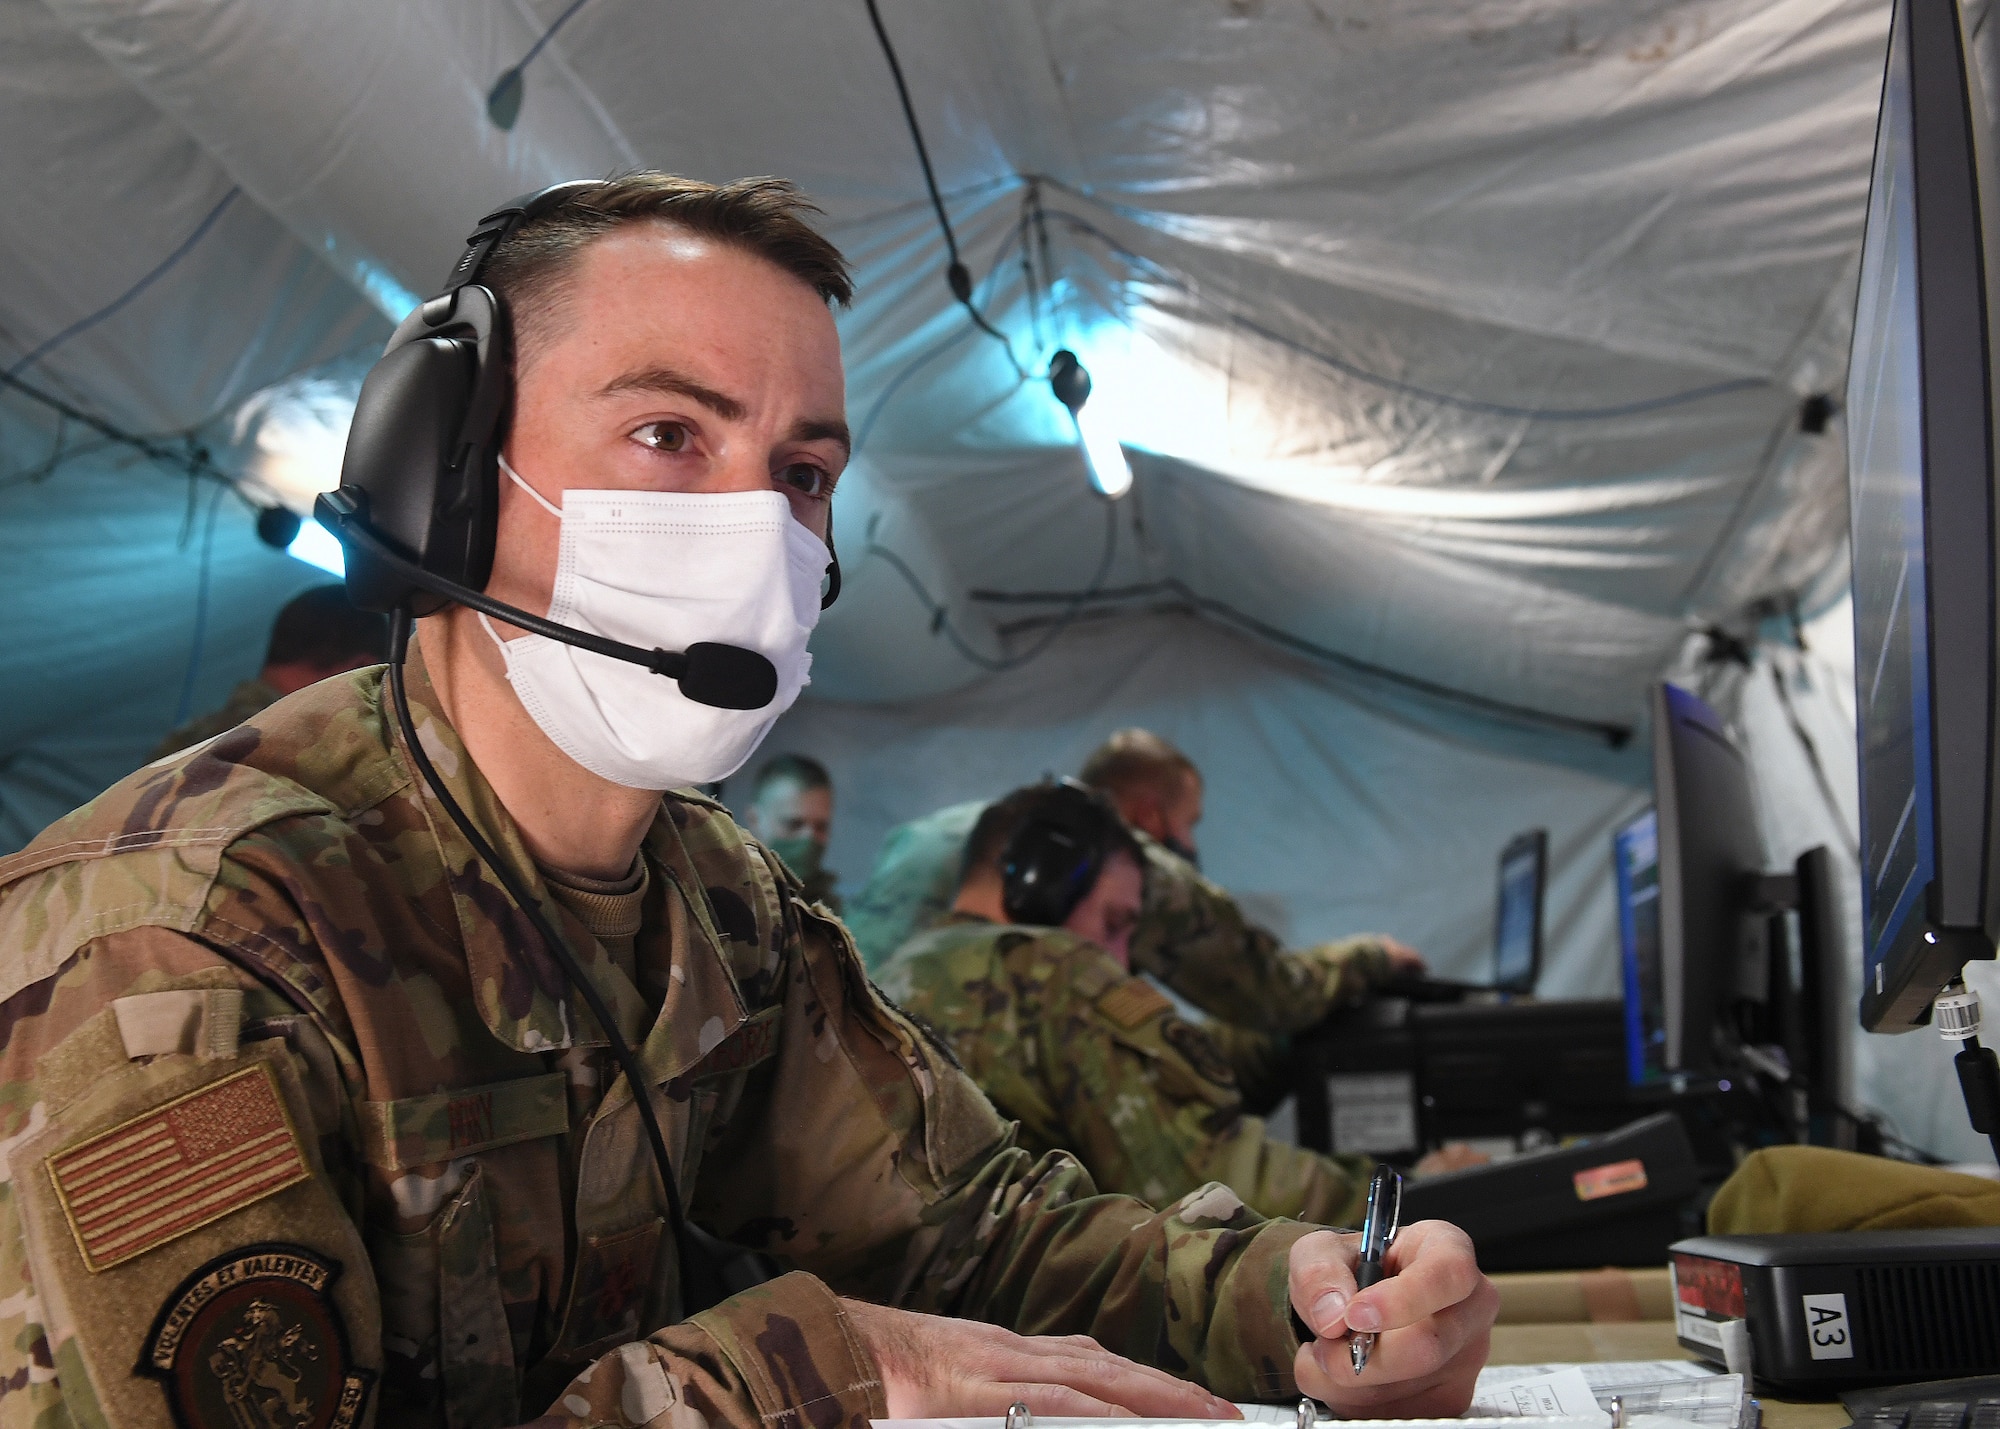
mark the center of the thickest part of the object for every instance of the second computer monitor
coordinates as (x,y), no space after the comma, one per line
(1710,856)
(1517,937)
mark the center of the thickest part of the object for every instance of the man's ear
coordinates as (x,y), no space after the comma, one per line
(1142,811)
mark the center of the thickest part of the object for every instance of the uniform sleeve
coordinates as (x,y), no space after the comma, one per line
(1265,1070)
(1193,937)
(1153,1111)
(871,1163)
(166,1198)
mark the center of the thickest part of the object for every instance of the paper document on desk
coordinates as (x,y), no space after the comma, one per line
(1535,1392)
(1657,1394)
(1678,1389)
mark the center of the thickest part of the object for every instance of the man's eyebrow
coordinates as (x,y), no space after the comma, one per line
(674,384)
(823,429)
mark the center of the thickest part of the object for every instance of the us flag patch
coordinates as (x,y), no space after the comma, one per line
(178,1167)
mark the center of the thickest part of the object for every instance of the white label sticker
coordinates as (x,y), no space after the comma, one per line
(1373,1112)
(1698,1327)
(1828,1334)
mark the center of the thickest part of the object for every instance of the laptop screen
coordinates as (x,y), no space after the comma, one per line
(1519,934)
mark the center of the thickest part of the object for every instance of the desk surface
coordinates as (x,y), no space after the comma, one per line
(1638,1340)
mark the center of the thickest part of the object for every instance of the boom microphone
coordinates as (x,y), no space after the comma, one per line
(725,676)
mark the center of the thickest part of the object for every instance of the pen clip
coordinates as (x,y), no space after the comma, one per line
(1384,1216)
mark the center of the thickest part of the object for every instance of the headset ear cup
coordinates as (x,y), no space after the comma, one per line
(1047,870)
(400,458)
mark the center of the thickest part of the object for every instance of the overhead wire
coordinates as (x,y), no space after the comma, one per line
(158,271)
(927,356)
(940,614)
(957,275)
(1615,735)
(190,456)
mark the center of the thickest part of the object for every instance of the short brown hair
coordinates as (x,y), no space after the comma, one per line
(767,217)
(1135,761)
(800,769)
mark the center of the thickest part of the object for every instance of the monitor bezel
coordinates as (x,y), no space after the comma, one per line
(1961,914)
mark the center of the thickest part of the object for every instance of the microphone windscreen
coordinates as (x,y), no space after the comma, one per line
(729,677)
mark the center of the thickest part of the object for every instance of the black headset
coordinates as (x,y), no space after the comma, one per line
(1053,860)
(419,495)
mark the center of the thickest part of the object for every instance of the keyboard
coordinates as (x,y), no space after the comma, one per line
(1942,1404)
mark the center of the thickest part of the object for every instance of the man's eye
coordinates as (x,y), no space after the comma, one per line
(807,479)
(663,436)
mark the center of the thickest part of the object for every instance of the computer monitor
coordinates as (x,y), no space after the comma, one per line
(1517,935)
(1635,856)
(1710,859)
(1920,413)
(1728,969)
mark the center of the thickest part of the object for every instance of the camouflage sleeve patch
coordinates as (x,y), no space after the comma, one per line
(1132,1002)
(192,1264)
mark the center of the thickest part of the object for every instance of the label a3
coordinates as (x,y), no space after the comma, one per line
(1829,1333)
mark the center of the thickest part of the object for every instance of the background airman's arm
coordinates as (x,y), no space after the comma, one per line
(1194,937)
(1154,1110)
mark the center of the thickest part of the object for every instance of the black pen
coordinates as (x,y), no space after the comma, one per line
(1378,1232)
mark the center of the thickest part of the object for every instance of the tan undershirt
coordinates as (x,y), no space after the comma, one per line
(611,909)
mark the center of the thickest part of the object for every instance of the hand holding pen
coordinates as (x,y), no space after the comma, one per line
(1379,1225)
(1429,1314)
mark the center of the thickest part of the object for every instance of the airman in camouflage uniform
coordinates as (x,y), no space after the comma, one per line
(1092,1059)
(1191,935)
(439,1187)
(317,634)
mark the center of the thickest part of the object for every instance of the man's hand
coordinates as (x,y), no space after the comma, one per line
(933,1367)
(1432,1315)
(1452,1156)
(1404,960)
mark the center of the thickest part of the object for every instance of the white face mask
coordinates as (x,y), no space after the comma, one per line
(666,569)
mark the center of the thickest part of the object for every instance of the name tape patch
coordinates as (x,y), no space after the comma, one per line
(178,1167)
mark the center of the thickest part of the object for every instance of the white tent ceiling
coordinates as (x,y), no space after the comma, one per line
(1464,340)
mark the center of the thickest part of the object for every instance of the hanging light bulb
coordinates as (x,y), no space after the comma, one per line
(1069,379)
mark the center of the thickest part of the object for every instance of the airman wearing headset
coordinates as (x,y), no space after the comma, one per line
(1192,935)
(1030,983)
(410,1055)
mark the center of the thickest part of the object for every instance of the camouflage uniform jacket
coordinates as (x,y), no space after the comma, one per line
(248,698)
(299,1124)
(1091,1059)
(1192,935)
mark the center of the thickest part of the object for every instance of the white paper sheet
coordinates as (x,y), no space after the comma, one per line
(1659,1394)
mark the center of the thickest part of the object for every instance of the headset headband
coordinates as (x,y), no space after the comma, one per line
(498,225)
